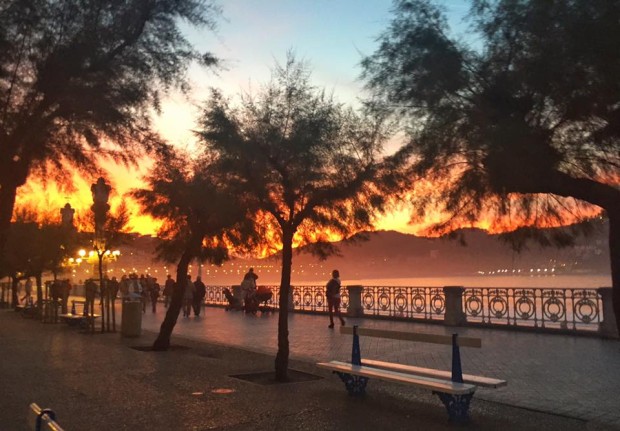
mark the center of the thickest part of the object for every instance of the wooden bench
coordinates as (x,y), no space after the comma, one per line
(78,319)
(454,388)
(42,419)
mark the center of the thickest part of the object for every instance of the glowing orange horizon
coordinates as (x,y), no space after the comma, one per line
(48,199)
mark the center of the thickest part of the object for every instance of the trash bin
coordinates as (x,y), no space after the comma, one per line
(131,323)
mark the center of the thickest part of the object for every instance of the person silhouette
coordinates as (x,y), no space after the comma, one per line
(332,292)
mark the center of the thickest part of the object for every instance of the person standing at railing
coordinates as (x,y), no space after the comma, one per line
(333,298)
(200,290)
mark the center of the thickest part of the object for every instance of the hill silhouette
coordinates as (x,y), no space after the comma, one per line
(390,254)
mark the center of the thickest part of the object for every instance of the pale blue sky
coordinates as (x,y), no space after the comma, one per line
(332,35)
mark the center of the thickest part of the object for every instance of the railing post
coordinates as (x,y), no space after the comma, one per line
(291,303)
(454,306)
(607,328)
(355,301)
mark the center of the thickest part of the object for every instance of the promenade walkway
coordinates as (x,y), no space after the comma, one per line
(101,381)
(576,377)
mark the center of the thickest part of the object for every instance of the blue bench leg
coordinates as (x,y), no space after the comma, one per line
(457,406)
(356,385)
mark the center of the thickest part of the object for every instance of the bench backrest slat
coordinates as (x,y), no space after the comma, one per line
(414,336)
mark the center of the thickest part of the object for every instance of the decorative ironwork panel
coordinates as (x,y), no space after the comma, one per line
(498,303)
(524,304)
(473,302)
(586,306)
(554,305)
(437,301)
(215,295)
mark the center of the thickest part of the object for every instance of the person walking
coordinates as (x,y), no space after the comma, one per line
(154,292)
(188,296)
(333,298)
(200,290)
(28,291)
(145,291)
(168,289)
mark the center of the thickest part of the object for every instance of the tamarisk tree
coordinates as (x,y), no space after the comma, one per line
(310,165)
(522,123)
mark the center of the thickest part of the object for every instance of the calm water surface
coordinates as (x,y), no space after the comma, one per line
(559,281)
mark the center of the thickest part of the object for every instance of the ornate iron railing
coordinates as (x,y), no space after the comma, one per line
(565,309)
(215,295)
(572,310)
(404,302)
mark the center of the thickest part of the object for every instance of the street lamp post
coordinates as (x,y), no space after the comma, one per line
(101,192)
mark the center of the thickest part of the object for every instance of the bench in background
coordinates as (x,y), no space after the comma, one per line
(76,318)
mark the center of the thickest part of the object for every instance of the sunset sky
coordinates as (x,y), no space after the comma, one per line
(332,35)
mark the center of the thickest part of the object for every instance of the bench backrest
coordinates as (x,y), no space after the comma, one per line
(413,336)
(454,340)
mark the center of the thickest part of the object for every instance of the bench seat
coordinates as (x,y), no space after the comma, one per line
(434,384)
(487,382)
(70,316)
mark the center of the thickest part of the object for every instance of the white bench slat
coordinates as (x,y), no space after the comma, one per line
(439,374)
(414,336)
(433,384)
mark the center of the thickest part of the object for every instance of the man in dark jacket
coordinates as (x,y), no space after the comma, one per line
(199,295)
(332,291)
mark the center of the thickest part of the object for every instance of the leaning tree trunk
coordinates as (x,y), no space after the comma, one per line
(281,362)
(614,254)
(163,339)
(7,203)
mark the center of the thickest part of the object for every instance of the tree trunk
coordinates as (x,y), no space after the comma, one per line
(163,339)
(8,192)
(614,254)
(281,362)
(14,294)
(39,307)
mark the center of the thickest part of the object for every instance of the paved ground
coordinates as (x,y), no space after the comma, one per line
(566,375)
(99,382)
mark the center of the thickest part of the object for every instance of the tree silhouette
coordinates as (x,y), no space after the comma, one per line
(311,166)
(523,123)
(202,218)
(37,243)
(78,79)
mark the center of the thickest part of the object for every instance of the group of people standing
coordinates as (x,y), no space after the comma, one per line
(144,287)
(148,290)
(193,296)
